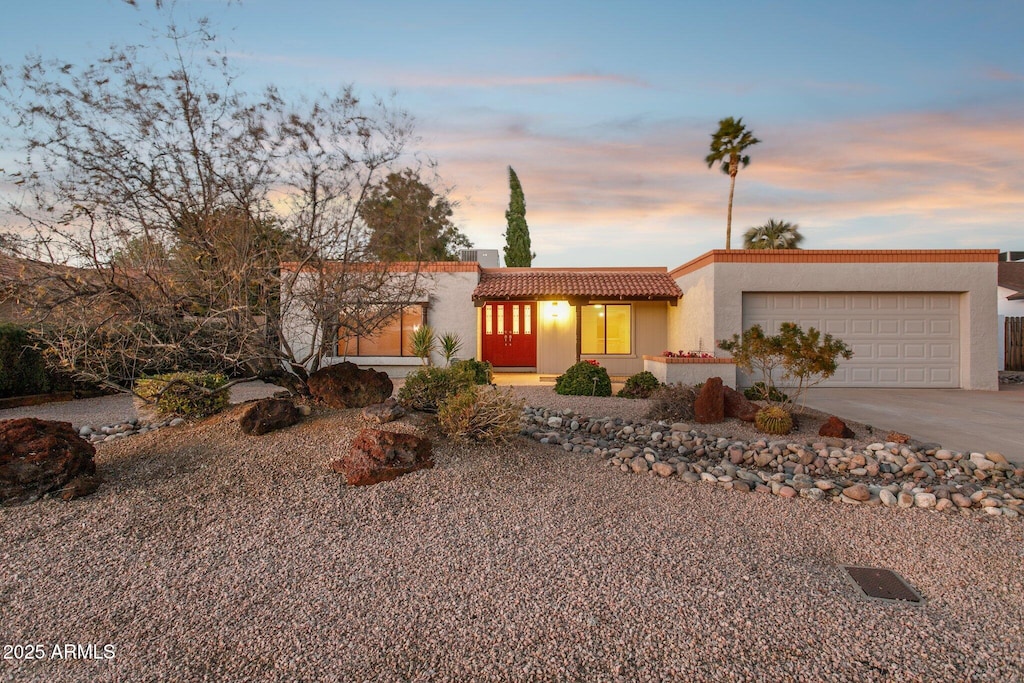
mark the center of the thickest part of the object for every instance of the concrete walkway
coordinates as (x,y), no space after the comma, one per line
(959,420)
(105,410)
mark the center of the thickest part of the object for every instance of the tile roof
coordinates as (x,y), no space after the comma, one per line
(607,283)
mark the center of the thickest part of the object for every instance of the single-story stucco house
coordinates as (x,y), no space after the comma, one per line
(914,318)
(1010,297)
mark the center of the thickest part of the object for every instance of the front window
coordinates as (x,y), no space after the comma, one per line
(606,329)
(393,338)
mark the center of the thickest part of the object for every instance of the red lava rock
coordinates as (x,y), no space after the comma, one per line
(40,456)
(346,386)
(267,415)
(897,437)
(737,405)
(378,455)
(710,404)
(836,429)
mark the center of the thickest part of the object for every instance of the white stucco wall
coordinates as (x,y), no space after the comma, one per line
(713,299)
(449,309)
(1013,309)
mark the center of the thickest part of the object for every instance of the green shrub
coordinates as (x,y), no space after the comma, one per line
(773,420)
(22,368)
(428,388)
(584,379)
(640,385)
(481,414)
(481,370)
(672,402)
(759,391)
(185,394)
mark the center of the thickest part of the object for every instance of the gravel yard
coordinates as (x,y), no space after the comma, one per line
(208,555)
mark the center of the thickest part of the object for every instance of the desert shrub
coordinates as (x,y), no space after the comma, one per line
(759,391)
(482,371)
(672,402)
(22,368)
(481,414)
(428,388)
(806,358)
(186,394)
(773,419)
(423,342)
(584,379)
(449,344)
(640,385)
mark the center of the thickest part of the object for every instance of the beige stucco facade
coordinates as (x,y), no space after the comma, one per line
(712,305)
(556,337)
(713,287)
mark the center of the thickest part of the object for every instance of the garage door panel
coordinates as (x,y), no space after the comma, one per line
(898,339)
(916,327)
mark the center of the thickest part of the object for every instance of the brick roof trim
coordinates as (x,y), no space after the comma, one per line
(837,256)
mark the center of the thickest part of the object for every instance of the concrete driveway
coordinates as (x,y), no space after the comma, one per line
(959,420)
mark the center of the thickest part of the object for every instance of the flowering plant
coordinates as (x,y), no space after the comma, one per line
(593,362)
(686,354)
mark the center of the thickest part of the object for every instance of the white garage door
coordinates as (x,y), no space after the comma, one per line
(898,340)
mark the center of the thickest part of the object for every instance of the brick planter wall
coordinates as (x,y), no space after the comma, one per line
(691,370)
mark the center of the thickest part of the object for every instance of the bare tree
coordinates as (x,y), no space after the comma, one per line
(163,199)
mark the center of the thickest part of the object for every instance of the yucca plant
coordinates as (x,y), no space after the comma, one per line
(451,344)
(423,343)
(773,420)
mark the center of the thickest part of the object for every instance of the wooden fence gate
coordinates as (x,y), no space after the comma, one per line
(1013,337)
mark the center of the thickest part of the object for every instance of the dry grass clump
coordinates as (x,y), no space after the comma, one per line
(481,414)
(672,402)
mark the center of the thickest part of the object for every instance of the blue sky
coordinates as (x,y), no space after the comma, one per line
(884,124)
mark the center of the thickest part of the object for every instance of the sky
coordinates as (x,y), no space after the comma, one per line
(884,125)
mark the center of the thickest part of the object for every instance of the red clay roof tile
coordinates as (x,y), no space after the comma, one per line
(618,283)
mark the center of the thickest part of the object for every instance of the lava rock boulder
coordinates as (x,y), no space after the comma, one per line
(39,457)
(345,385)
(377,455)
(267,415)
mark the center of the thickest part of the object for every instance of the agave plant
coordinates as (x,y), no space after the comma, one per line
(450,343)
(423,343)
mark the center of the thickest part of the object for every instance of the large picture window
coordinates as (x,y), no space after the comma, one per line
(391,339)
(606,329)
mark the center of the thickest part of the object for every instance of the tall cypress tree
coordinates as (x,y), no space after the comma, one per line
(517,237)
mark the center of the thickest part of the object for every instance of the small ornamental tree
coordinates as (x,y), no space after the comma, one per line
(518,253)
(806,358)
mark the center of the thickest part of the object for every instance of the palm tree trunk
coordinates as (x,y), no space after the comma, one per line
(728,220)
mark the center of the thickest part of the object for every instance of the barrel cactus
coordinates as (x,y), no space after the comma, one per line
(773,420)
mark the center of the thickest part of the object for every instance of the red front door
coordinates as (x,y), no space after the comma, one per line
(510,333)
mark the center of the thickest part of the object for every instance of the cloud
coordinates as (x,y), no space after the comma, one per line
(413,79)
(603,194)
(996,74)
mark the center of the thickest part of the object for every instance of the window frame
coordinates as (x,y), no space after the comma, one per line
(604,342)
(403,351)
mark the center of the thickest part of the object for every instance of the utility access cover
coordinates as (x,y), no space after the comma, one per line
(881,584)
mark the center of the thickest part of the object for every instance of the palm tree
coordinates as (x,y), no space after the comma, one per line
(727,146)
(774,234)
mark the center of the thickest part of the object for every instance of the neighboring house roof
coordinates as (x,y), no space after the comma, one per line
(637,284)
(1011,276)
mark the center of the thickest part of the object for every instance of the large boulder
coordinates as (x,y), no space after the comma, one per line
(39,457)
(377,455)
(836,429)
(267,415)
(737,405)
(710,404)
(346,386)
